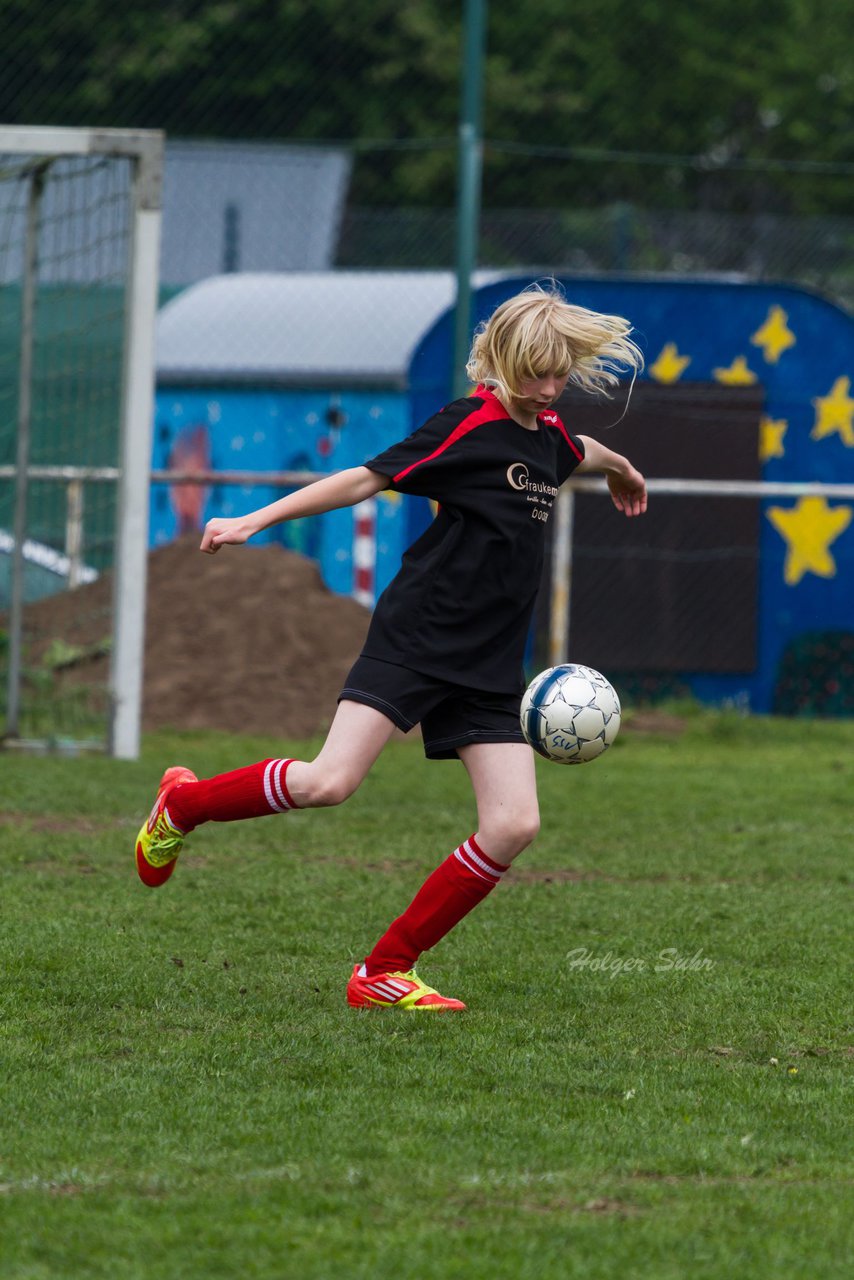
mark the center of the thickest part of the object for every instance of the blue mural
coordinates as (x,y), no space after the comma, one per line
(797,346)
(281,430)
(800,349)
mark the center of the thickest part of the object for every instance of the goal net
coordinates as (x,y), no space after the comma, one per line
(79,235)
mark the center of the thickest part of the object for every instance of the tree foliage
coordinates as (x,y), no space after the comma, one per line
(732,82)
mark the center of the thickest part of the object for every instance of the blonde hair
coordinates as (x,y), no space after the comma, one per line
(539,332)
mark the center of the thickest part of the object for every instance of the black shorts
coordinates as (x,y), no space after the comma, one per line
(450,715)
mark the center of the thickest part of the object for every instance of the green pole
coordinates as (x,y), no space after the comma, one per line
(470,160)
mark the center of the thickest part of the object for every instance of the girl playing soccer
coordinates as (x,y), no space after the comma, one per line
(447,637)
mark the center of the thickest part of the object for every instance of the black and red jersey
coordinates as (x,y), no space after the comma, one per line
(461,604)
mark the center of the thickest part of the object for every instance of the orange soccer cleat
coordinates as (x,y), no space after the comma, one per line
(396,991)
(159,842)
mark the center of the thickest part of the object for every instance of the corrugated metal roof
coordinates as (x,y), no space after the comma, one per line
(307,328)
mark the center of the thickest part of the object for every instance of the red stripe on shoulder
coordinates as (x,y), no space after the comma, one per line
(490,411)
(552,420)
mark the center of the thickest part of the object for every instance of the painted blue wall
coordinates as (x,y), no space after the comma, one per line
(800,348)
(287,430)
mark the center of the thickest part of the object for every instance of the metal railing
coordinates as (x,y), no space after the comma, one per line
(75,477)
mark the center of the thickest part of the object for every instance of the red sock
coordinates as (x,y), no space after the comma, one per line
(252,792)
(455,887)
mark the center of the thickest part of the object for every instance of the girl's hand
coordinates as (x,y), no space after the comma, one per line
(222,531)
(627,485)
(628,489)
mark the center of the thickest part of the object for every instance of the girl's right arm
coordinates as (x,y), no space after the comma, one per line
(344,489)
(627,485)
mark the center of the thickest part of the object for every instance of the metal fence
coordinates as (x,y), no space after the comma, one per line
(326,134)
(313,145)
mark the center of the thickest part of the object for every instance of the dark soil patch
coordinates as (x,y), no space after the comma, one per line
(249,640)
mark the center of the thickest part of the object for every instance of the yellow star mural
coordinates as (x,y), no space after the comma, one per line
(774,336)
(835,412)
(737,375)
(771,432)
(669,366)
(808,530)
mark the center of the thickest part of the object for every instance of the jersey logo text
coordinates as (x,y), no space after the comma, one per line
(518,478)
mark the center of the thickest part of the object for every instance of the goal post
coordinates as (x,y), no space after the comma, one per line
(135,465)
(80,210)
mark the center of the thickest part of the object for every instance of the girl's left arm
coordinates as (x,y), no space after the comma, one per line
(627,485)
(341,489)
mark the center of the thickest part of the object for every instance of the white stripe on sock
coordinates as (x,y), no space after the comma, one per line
(268,792)
(469,866)
(277,773)
(467,846)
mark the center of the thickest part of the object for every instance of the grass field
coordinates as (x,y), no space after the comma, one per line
(186,1094)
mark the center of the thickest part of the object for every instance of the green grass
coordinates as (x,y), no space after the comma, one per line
(186,1094)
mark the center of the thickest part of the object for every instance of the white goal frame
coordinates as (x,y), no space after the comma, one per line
(144,148)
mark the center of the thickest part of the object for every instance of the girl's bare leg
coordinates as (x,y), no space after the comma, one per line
(356,737)
(505,788)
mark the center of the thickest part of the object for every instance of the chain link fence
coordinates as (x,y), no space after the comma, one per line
(324,135)
(312,157)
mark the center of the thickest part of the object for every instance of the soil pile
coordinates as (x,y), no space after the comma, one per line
(249,640)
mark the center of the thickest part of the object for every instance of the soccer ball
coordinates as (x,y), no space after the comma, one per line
(570,714)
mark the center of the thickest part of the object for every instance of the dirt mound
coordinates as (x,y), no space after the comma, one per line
(249,640)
